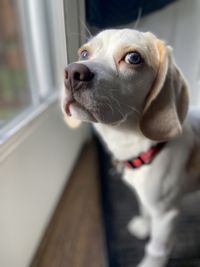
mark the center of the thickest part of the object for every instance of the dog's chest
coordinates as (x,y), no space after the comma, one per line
(147,182)
(123,145)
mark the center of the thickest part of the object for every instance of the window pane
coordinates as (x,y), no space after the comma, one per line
(14,89)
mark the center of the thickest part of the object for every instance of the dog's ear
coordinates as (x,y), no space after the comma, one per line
(167,102)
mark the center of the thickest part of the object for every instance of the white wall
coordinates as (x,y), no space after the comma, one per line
(179,25)
(32,177)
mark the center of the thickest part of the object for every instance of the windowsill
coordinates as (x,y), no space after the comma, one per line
(13,133)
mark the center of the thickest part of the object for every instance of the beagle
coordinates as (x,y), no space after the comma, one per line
(127,84)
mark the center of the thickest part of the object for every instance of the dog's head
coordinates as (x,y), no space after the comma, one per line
(126,72)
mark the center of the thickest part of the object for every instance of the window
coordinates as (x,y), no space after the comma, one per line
(15,94)
(32,57)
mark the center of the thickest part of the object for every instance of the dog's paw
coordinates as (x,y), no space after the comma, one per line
(140,227)
(150,261)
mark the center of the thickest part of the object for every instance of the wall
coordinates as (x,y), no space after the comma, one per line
(29,190)
(178,24)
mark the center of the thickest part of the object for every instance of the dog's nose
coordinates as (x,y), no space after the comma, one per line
(76,73)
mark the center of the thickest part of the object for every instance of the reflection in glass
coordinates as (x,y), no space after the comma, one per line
(14,91)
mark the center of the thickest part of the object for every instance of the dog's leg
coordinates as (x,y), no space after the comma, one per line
(162,239)
(140,225)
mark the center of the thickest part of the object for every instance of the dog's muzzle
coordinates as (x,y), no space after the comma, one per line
(77,74)
(77,79)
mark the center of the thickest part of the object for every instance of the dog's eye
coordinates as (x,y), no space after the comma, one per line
(84,55)
(133,58)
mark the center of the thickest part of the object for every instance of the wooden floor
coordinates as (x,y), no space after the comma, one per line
(75,236)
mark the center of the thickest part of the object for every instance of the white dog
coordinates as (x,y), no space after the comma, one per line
(127,84)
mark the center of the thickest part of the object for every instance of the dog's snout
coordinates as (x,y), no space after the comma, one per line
(78,72)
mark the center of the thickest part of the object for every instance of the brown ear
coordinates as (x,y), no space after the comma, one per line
(167,103)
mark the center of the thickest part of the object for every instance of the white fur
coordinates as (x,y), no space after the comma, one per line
(159,186)
(140,227)
(115,98)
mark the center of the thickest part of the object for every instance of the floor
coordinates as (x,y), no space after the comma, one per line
(75,236)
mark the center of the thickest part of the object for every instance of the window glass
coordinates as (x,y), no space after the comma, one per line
(15,94)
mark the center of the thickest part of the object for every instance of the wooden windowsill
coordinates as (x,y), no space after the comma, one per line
(75,235)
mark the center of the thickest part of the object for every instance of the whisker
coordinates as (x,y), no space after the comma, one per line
(134,109)
(138,18)
(86,28)
(116,101)
(108,103)
(119,104)
(75,34)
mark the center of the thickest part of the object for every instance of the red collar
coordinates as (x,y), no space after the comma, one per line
(145,157)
